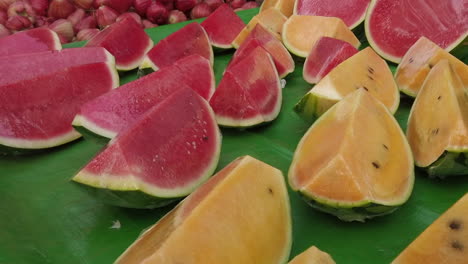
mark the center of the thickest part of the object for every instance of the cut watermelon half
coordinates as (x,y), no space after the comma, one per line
(37,113)
(223,26)
(128,51)
(249,92)
(112,112)
(145,159)
(260,37)
(352,12)
(191,39)
(29,41)
(392,27)
(20,67)
(324,56)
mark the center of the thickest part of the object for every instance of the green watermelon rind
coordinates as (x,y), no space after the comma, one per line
(90,128)
(9,146)
(448,165)
(456,46)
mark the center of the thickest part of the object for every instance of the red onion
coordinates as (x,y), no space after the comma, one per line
(157,13)
(39,6)
(118,5)
(148,24)
(21,8)
(17,23)
(141,6)
(87,22)
(185,5)
(4,4)
(105,16)
(169,4)
(213,4)
(248,5)
(176,16)
(236,3)
(87,34)
(76,16)
(3,16)
(84,4)
(60,8)
(132,15)
(200,10)
(64,30)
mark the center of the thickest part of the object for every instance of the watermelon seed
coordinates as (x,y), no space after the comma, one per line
(205,138)
(370,77)
(411,60)
(455,225)
(365,88)
(270,190)
(375,164)
(385,146)
(370,69)
(430,66)
(435,131)
(457,245)
(438,98)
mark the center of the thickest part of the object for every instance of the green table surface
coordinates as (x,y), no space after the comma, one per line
(44,218)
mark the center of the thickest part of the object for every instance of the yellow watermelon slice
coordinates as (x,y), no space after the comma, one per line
(419,60)
(365,171)
(444,241)
(284,6)
(438,123)
(312,255)
(241,215)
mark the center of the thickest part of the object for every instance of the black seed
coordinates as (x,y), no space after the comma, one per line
(270,190)
(435,131)
(430,66)
(457,245)
(455,225)
(370,70)
(438,98)
(375,164)
(205,138)
(385,146)
(370,77)
(411,60)
(365,88)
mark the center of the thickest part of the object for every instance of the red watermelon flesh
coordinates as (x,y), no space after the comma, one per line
(223,26)
(392,27)
(29,41)
(38,112)
(352,12)
(324,56)
(25,66)
(249,93)
(260,37)
(114,111)
(191,39)
(126,40)
(147,155)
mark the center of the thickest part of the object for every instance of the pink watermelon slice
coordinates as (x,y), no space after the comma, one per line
(37,113)
(29,41)
(223,26)
(18,67)
(249,92)
(191,39)
(260,37)
(392,27)
(126,40)
(165,155)
(324,56)
(114,111)
(352,12)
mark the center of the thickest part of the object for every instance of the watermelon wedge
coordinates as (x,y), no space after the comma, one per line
(37,113)
(18,67)
(260,37)
(392,27)
(110,113)
(29,41)
(128,51)
(191,39)
(324,56)
(145,160)
(223,26)
(352,12)
(249,92)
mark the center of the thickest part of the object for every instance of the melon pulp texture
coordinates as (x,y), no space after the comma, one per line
(366,171)
(249,92)
(352,12)
(244,215)
(37,112)
(364,70)
(260,37)
(284,6)
(26,66)
(438,120)
(128,51)
(29,41)
(110,113)
(392,27)
(189,40)
(312,255)
(419,60)
(326,54)
(300,33)
(145,157)
(271,19)
(444,241)
(222,26)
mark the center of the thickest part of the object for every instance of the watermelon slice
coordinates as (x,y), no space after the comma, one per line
(145,159)
(128,51)
(324,56)
(191,39)
(260,37)
(37,113)
(223,26)
(311,256)
(29,41)
(249,92)
(352,12)
(18,67)
(110,113)
(392,27)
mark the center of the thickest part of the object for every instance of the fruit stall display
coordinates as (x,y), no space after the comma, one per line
(294,132)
